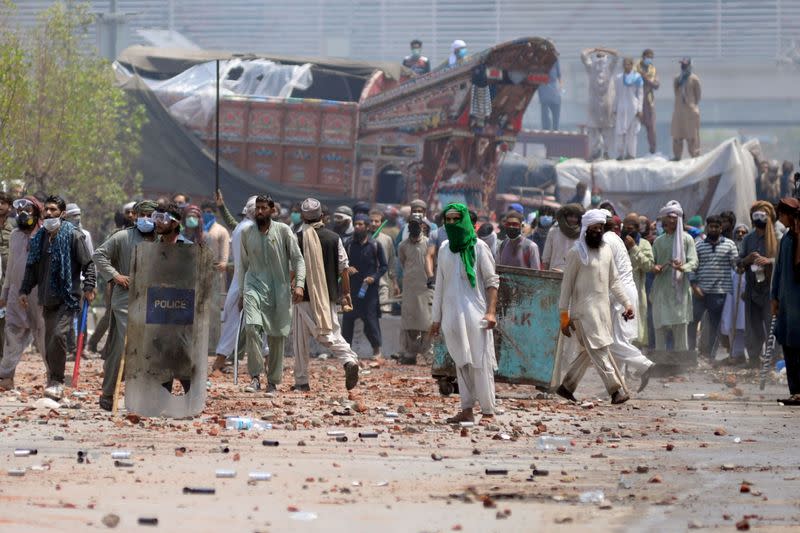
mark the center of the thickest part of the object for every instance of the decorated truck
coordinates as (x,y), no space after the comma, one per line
(372,131)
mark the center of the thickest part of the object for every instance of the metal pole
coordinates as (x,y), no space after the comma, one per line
(216,145)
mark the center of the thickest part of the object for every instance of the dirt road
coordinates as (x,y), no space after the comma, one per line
(663,462)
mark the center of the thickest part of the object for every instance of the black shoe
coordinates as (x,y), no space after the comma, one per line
(566,394)
(645,378)
(271,387)
(106,403)
(351,375)
(300,388)
(407,360)
(619,397)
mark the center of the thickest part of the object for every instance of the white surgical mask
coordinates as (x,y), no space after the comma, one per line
(51,224)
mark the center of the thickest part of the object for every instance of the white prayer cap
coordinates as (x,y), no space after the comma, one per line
(72,210)
(458,43)
(128,206)
(249,207)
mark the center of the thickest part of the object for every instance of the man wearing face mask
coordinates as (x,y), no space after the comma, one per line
(590,277)
(416,306)
(600,64)
(561,237)
(193,224)
(711,283)
(417,62)
(113,259)
(516,250)
(544,221)
(640,253)
(647,70)
(756,260)
(367,267)
(343,223)
(23,325)
(629,90)
(295,218)
(686,115)
(458,53)
(57,258)
(73,214)
(218,241)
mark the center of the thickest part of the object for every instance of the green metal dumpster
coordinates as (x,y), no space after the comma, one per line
(527,335)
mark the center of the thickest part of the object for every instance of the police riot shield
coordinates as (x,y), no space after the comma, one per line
(166,356)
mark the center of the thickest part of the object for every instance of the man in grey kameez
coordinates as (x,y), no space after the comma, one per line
(269,256)
(416,305)
(113,262)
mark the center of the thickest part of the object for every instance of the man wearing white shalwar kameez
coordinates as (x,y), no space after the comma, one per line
(623,331)
(229,333)
(629,87)
(464,305)
(589,277)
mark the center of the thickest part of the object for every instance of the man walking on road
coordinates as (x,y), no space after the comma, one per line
(464,304)
(388,285)
(113,259)
(269,255)
(367,266)
(416,305)
(315,316)
(711,283)
(640,252)
(23,325)
(675,257)
(786,298)
(589,277)
(516,250)
(57,258)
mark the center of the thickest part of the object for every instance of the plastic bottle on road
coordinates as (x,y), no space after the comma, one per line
(548,442)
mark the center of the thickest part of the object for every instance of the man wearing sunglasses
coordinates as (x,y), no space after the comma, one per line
(22,325)
(113,259)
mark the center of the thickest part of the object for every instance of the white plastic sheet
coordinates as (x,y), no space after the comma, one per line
(723,179)
(191,95)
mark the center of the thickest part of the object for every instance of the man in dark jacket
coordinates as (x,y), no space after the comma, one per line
(57,257)
(367,265)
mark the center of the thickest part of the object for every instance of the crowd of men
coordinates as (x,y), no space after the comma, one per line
(630,284)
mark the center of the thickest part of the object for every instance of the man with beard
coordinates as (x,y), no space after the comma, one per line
(57,258)
(229,332)
(315,316)
(786,296)
(561,237)
(589,277)
(113,259)
(600,64)
(756,259)
(711,282)
(640,253)
(516,250)
(367,266)
(23,325)
(167,219)
(464,305)
(675,257)
(269,255)
(624,330)
(343,222)
(416,305)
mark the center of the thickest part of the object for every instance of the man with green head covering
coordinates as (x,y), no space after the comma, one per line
(113,261)
(466,280)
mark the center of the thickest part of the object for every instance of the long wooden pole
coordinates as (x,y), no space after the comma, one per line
(216,145)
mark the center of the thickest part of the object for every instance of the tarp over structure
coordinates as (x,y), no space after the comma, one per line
(721,180)
(334,78)
(173,159)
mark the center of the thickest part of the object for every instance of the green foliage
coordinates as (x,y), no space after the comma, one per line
(65,127)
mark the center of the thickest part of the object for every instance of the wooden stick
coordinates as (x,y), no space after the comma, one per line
(114,405)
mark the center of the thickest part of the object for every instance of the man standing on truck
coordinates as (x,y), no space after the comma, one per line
(417,62)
